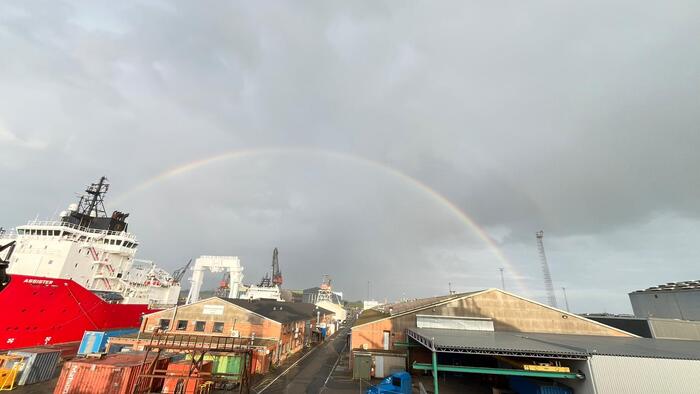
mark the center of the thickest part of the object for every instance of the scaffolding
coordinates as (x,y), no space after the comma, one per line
(196,347)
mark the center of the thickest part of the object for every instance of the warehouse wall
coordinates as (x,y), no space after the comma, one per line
(215,310)
(512,313)
(508,312)
(675,329)
(684,305)
(614,375)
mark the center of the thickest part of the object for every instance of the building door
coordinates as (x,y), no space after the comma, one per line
(386,340)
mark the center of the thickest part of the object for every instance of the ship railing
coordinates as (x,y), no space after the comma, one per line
(55,223)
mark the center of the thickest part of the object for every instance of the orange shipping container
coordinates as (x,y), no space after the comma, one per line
(260,362)
(180,368)
(114,374)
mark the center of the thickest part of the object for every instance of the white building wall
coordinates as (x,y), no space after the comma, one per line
(454,322)
(614,375)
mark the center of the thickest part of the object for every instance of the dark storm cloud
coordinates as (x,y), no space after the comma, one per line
(577,118)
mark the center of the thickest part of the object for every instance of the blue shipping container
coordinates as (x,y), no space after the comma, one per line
(524,385)
(96,341)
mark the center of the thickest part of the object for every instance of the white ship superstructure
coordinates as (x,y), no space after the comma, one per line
(94,250)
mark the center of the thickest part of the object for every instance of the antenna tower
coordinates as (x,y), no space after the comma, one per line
(548,286)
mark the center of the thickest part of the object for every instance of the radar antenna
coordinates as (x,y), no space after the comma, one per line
(92,204)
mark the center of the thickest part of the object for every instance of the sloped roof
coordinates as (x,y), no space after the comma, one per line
(400,308)
(282,312)
(552,345)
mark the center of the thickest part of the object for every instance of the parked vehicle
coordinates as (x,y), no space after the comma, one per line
(399,382)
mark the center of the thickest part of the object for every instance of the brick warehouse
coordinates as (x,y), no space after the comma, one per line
(286,326)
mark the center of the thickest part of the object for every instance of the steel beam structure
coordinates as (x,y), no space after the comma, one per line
(493,371)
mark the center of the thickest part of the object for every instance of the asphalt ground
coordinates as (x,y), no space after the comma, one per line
(323,369)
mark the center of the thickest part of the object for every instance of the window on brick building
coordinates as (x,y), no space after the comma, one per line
(181,325)
(199,326)
(218,327)
(164,324)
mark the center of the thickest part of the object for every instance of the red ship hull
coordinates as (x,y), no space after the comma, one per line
(37,311)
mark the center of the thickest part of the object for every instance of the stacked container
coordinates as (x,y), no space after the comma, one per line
(225,364)
(39,364)
(113,374)
(184,385)
(96,341)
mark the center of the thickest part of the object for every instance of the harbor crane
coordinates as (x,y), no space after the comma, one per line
(180,272)
(230,264)
(276,279)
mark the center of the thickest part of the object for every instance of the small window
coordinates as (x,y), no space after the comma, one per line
(182,325)
(164,324)
(111,242)
(218,327)
(199,326)
(44,232)
(20,232)
(119,242)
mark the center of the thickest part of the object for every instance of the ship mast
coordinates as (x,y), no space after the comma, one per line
(92,204)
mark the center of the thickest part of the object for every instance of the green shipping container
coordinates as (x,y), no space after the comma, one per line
(224,364)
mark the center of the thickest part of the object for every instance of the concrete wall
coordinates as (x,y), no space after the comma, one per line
(511,313)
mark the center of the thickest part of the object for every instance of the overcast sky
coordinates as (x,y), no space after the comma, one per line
(577,118)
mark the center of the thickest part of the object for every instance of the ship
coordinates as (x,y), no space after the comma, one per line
(79,273)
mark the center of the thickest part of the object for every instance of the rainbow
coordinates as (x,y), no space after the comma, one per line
(250,153)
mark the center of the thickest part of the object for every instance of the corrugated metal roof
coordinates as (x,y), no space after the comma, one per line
(563,345)
(485,342)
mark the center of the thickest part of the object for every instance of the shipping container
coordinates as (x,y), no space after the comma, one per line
(113,374)
(228,364)
(39,364)
(260,362)
(176,382)
(96,341)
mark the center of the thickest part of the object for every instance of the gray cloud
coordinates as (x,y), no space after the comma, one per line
(580,119)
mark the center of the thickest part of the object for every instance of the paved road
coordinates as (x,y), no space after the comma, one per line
(324,369)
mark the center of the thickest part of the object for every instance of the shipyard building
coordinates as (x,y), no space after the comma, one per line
(495,340)
(675,300)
